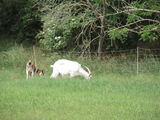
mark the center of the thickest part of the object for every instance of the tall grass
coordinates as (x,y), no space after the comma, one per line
(127,64)
(17,56)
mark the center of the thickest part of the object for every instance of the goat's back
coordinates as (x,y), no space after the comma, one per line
(66,65)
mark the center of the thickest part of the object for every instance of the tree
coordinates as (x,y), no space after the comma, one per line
(98,25)
(20,19)
(102,33)
(141,18)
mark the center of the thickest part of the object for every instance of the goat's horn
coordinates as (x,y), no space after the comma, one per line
(88,70)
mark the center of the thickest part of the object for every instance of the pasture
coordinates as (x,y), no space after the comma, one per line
(109,95)
(105,96)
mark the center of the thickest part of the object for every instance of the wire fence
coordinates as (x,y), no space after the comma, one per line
(140,60)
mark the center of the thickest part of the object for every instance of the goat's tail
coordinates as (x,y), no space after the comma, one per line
(52,66)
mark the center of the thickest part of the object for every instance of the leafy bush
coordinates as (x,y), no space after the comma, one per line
(56,33)
(61,25)
(148,35)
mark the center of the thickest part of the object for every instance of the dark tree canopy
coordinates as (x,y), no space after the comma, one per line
(82,25)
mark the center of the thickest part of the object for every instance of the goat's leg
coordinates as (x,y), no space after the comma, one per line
(72,75)
(27,74)
(54,74)
(32,73)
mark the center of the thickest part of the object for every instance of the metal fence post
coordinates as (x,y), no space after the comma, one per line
(137,60)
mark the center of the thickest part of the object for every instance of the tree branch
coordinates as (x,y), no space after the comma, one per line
(140,9)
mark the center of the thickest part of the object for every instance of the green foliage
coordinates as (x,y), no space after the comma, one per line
(65,24)
(132,18)
(148,30)
(98,2)
(60,25)
(120,33)
(28,23)
(8,10)
(56,32)
(142,5)
(148,35)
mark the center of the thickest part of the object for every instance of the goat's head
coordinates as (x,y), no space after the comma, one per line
(29,62)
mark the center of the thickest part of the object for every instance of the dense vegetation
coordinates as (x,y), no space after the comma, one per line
(115,91)
(82,25)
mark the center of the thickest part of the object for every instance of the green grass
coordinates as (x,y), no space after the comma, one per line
(104,97)
(114,93)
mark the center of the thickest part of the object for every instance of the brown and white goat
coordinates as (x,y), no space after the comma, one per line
(31,70)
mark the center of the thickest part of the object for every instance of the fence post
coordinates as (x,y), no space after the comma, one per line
(137,60)
(34,55)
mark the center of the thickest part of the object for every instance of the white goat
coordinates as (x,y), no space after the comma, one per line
(69,68)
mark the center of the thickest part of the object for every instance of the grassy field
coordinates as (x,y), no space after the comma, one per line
(104,97)
(114,93)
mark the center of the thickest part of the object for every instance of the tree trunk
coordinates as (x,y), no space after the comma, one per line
(102,34)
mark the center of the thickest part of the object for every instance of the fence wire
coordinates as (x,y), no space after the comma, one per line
(140,60)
